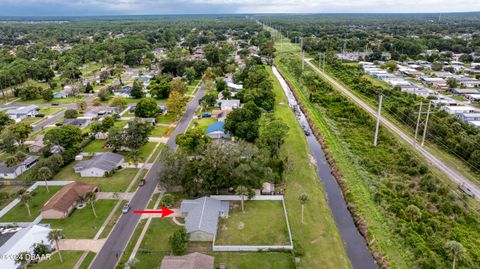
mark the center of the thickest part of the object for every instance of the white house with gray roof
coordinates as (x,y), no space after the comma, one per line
(25,239)
(16,170)
(20,113)
(201,217)
(99,165)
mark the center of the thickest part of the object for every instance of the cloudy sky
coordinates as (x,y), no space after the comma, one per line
(136,7)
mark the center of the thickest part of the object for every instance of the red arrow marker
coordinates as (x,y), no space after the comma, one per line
(164,211)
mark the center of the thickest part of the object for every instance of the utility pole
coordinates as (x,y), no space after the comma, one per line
(426,124)
(378,120)
(418,123)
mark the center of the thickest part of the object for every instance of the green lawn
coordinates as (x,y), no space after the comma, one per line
(90,69)
(253,260)
(82,224)
(121,123)
(67,100)
(145,150)
(157,152)
(203,123)
(155,243)
(11,191)
(70,258)
(319,236)
(166,118)
(162,131)
(96,146)
(263,223)
(39,197)
(50,110)
(86,262)
(111,223)
(32,120)
(118,182)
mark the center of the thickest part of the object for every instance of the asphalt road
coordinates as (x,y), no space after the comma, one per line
(108,257)
(452,173)
(354,243)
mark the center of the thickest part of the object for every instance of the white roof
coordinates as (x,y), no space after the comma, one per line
(21,241)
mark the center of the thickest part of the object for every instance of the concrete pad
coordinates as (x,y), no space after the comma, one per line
(82,244)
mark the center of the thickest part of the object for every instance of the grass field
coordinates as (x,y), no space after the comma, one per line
(162,131)
(118,182)
(156,153)
(166,118)
(155,243)
(82,224)
(70,258)
(251,260)
(202,123)
(145,151)
(318,236)
(86,262)
(263,223)
(40,196)
(96,146)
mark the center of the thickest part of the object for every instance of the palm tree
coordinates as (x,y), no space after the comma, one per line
(26,198)
(90,199)
(54,236)
(132,263)
(455,250)
(81,200)
(44,173)
(135,155)
(242,191)
(21,259)
(303,200)
(11,161)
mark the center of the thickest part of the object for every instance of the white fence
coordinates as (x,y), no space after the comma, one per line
(254,248)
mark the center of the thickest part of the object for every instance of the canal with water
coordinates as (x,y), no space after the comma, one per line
(356,248)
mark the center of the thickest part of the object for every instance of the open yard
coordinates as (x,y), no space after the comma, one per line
(82,224)
(70,258)
(166,118)
(118,182)
(39,197)
(249,260)
(162,131)
(203,123)
(155,243)
(263,223)
(96,146)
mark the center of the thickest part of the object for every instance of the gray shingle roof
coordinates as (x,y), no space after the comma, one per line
(28,162)
(106,161)
(203,214)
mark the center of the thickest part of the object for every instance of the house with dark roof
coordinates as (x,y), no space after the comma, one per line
(201,217)
(216,130)
(18,169)
(99,165)
(190,261)
(64,201)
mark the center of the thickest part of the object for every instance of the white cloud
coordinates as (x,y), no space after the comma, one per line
(241,6)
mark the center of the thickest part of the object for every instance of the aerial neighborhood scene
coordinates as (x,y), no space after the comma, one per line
(204,134)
